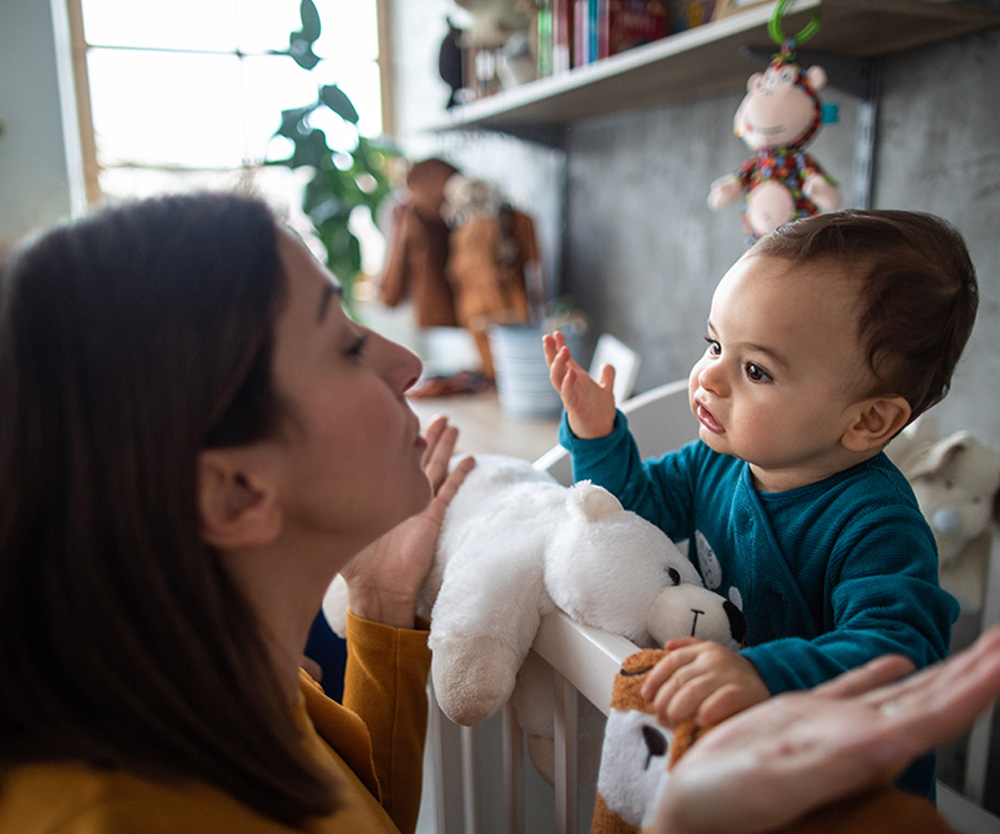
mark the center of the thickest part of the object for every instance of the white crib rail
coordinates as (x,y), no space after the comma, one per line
(583,660)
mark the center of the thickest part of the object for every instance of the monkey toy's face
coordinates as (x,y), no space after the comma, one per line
(776,111)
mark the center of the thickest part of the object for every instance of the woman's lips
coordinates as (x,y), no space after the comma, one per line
(707,419)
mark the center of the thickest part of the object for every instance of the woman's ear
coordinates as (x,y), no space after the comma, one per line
(237,509)
(876,421)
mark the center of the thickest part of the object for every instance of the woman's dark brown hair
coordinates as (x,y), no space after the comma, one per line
(918,294)
(129,342)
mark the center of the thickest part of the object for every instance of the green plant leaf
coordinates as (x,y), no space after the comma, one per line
(302,53)
(343,248)
(310,149)
(311,27)
(292,122)
(300,42)
(336,99)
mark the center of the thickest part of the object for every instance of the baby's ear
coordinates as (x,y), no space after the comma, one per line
(876,421)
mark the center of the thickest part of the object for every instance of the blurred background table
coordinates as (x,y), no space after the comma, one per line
(485,429)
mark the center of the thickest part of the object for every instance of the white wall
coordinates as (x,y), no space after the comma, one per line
(40,172)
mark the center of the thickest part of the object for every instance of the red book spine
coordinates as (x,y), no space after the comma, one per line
(562,35)
(634,22)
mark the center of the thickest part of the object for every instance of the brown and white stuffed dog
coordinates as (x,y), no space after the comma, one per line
(638,753)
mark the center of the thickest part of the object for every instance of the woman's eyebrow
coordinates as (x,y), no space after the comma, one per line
(329,292)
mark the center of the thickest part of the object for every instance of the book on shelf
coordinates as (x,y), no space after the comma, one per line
(581,33)
(623,24)
(543,35)
(562,35)
(606,27)
(573,33)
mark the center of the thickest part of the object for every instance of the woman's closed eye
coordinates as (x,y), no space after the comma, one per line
(357,346)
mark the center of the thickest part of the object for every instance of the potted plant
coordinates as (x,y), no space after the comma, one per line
(343,178)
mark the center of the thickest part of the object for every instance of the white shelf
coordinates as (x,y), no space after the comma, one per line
(707,61)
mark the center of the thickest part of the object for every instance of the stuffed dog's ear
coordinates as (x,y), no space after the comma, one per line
(934,458)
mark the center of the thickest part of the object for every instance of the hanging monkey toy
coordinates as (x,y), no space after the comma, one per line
(780,113)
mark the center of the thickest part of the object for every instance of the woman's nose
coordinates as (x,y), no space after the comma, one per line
(402,366)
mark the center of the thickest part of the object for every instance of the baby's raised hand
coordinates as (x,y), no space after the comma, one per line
(589,403)
(702,680)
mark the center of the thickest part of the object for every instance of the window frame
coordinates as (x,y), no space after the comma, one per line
(80,49)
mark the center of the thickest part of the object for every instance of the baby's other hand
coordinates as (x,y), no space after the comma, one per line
(589,403)
(702,680)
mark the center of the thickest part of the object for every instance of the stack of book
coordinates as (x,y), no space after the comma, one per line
(572,33)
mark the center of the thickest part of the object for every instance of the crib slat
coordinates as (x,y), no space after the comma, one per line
(566,756)
(513,772)
(469,780)
(978,753)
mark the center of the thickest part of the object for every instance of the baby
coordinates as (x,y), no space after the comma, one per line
(824,340)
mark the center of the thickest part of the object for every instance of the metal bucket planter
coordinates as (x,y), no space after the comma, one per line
(522,376)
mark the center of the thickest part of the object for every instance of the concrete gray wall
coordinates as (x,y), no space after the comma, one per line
(640,250)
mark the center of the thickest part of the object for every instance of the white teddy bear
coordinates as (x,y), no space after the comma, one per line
(515,545)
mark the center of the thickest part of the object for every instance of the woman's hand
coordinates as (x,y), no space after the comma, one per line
(384,579)
(771,764)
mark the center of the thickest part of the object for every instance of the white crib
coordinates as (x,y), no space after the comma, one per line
(482,783)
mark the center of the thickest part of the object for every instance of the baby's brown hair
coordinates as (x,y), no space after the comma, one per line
(917,291)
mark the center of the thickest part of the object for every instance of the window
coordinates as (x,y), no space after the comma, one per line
(188,93)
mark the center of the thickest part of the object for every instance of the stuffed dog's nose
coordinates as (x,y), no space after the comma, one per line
(946,520)
(656,743)
(737,622)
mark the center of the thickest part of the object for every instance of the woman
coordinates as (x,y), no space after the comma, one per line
(194,440)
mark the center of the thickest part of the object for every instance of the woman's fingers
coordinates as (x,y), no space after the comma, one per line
(441,439)
(875,673)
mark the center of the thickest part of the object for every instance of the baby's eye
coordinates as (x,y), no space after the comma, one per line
(755,373)
(714,348)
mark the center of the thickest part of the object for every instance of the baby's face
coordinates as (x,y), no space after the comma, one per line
(782,369)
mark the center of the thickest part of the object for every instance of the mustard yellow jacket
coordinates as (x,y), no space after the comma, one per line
(373,746)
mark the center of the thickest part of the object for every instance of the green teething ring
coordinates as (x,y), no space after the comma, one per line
(774,26)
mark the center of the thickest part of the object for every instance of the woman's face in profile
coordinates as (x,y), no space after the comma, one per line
(350,452)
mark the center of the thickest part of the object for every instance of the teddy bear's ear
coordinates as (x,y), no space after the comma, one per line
(592,502)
